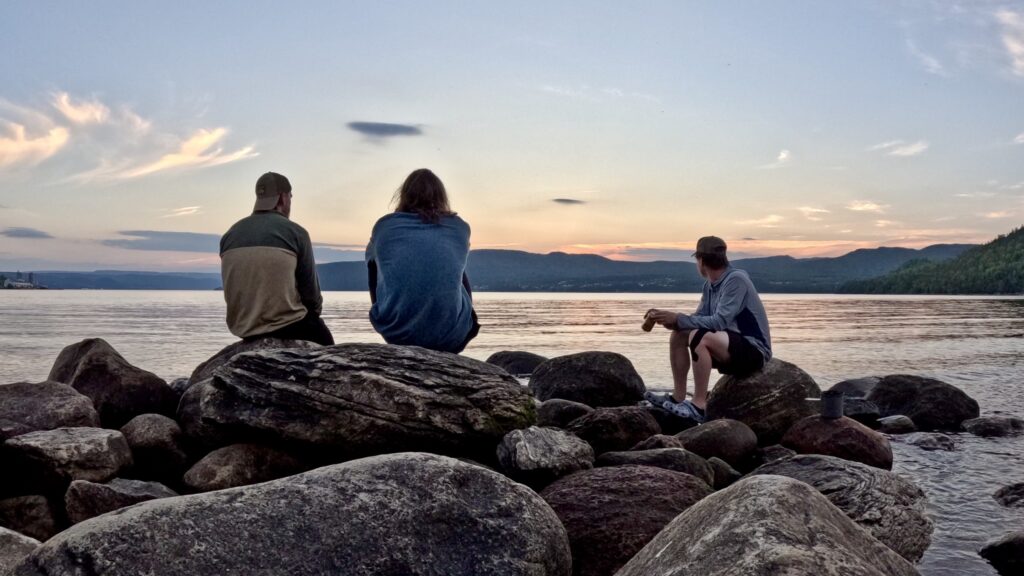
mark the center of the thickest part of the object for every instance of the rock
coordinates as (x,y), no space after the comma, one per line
(929,441)
(773,453)
(761,526)
(598,379)
(614,429)
(611,513)
(856,387)
(32,516)
(670,423)
(158,447)
(890,508)
(27,407)
(239,465)
(897,424)
(931,404)
(730,440)
(725,475)
(1006,554)
(659,441)
(864,411)
(558,413)
(769,400)
(675,459)
(843,438)
(179,386)
(516,363)
(207,368)
(1011,496)
(410,514)
(118,390)
(537,456)
(50,460)
(14,547)
(85,500)
(994,426)
(351,400)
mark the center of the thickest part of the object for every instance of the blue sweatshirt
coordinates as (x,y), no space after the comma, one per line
(732,303)
(419,295)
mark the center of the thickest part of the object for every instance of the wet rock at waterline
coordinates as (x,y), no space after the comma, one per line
(598,379)
(864,411)
(516,363)
(538,456)
(928,441)
(1011,496)
(931,404)
(994,426)
(897,424)
(85,500)
(614,429)
(1006,554)
(26,407)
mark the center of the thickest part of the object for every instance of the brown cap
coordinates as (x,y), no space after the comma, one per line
(710,245)
(269,187)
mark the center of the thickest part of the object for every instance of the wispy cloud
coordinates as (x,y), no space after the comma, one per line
(24,233)
(770,221)
(568,201)
(866,206)
(782,159)
(184,211)
(166,241)
(1012,35)
(901,147)
(81,112)
(885,145)
(811,213)
(975,194)
(929,62)
(1019,139)
(377,130)
(16,147)
(996,215)
(594,94)
(885,223)
(202,149)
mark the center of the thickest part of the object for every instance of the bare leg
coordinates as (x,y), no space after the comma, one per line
(713,345)
(679,358)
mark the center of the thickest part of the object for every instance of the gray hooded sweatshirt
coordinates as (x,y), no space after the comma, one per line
(732,303)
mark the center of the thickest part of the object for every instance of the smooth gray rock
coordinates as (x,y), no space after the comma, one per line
(769,401)
(730,440)
(239,465)
(994,426)
(929,441)
(27,407)
(614,429)
(13,548)
(158,447)
(516,363)
(559,413)
(118,390)
(85,500)
(352,400)
(765,526)
(207,368)
(32,516)
(411,514)
(49,460)
(1006,554)
(659,441)
(538,456)
(896,424)
(892,509)
(856,387)
(1011,496)
(675,459)
(725,475)
(931,404)
(611,513)
(598,379)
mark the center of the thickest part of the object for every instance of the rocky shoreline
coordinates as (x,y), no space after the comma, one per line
(284,457)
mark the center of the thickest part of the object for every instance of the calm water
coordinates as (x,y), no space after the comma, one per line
(973,343)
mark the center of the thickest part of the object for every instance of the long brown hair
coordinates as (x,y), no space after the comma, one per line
(423,194)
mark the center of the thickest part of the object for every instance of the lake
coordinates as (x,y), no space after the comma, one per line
(975,343)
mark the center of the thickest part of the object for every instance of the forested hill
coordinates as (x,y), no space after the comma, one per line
(993,268)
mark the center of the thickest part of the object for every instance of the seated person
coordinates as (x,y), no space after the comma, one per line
(729,331)
(270,282)
(416,266)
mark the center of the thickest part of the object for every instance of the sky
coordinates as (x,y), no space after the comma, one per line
(132,133)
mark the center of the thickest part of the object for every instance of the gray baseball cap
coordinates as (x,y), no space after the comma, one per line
(269,187)
(710,245)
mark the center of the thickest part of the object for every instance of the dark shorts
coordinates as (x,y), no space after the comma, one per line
(744,357)
(310,328)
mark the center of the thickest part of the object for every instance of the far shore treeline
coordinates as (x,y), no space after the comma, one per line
(993,268)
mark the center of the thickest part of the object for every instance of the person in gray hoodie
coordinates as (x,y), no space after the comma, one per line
(729,331)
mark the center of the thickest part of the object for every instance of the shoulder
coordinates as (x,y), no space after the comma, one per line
(739,277)
(456,221)
(389,220)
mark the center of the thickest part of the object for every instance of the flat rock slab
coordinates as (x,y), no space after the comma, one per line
(538,456)
(994,426)
(598,379)
(411,514)
(765,526)
(891,508)
(352,400)
(675,459)
(27,407)
(32,516)
(239,465)
(50,460)
(841,437)
(1011,496)
(85,500)
(13,548)
(931,404)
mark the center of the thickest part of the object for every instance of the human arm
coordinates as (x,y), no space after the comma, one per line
(730,304)
(306,279)
(371,277)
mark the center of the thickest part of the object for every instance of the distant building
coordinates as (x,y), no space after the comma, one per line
(19,284)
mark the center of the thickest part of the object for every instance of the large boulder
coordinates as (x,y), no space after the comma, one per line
(558,413)
(85,499)
(841,437)
(158,447)
(994,426)
(353,400)
(239,465)
(13,548)
(1011,496)
(207,368)
(118,390)
(889,507)
(27,407)
(769,400)
(49,460)
(930,403)
(1006,554)
(611,513)
(675,459)
(856,387)
(537,456)
(410,513)
(864,411)
(765,526)
(598,379)
(614,429)
(730,440)
(32,516)
(515,362)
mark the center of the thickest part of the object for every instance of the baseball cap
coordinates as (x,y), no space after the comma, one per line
(268,188)
(710,245)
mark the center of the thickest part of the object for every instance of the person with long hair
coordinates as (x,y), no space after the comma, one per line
(416,267)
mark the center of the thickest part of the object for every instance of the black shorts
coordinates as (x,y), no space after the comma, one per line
(744,357)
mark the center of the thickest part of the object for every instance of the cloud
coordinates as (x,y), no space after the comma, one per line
(1019,139)
(185,211)
(17,147)
(812,213)
(201,150)
(82,112)
(384,129)
(568,201)
(885,145)
(995,215)
(166,241)
(885,223)
(865,206)
(781,160)
(901,148)
(1013,38)
(770,221)
(975,194)
(593,94)
(930,63)
(24,233)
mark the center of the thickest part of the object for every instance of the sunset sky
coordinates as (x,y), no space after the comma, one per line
(132,133)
